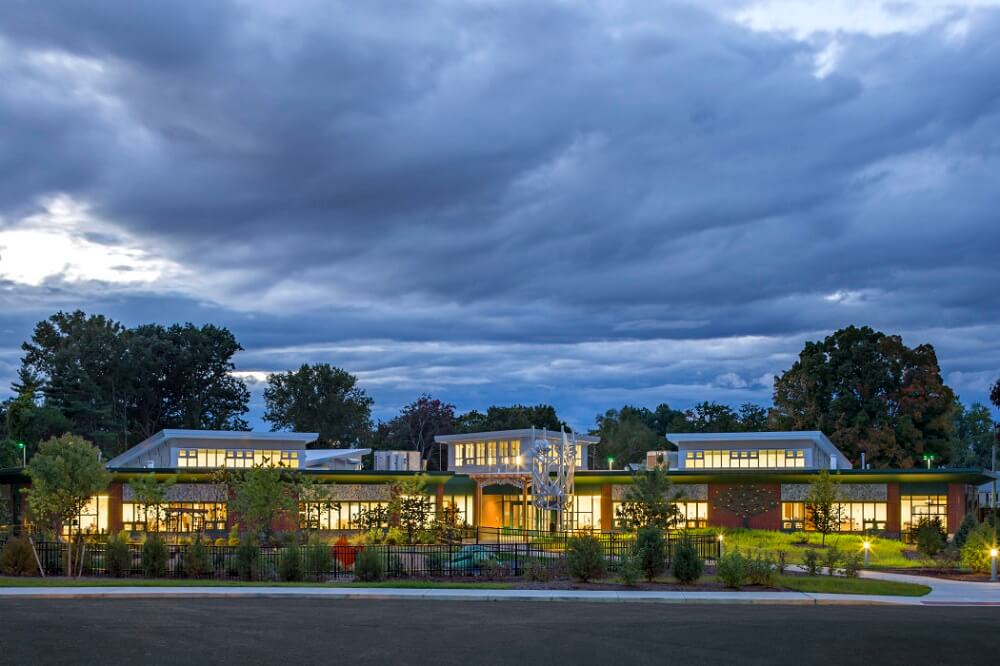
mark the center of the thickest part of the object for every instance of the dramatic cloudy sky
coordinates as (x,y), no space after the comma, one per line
(582,203)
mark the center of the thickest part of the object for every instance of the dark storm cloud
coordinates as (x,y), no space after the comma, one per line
(563,201)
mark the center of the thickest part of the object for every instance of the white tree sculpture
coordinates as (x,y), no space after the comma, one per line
(552,469)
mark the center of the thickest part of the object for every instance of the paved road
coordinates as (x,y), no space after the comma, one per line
(321,631)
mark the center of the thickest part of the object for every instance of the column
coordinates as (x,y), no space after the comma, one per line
(607,508)
(115,491)
(956,506)
(892,524)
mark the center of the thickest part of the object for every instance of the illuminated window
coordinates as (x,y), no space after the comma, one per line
(175,517)
(854,516)
(693,514)
(187,458)
(914,508)
(92,519)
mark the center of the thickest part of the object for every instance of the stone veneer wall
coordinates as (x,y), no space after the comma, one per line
(692,492)
(854,492)
(185,492)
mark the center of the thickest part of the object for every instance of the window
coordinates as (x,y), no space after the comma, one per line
(92,519)
(854,516)
(187,458)
(693,514)
(745,459)
(334,516)
(586,513)
(913,508)
(239,458)
(175,517)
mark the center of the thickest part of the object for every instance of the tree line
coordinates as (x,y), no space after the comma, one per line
(115,386)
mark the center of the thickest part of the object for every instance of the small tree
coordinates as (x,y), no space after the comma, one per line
(151,494)
(585,558)
(930,536)
(746,501)
(651,551)
(259,493)
(822,508)
(968,524)
(65,473)
(648,502)
(410,506)
(687,564)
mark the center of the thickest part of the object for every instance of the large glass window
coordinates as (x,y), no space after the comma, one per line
(854,516)
(914,508)
(238,458)
(693,514)
(184,517)
(336,516)
(92,519)
(745,459)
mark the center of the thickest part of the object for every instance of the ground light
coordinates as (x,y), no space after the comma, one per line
(993,564)
(867,545)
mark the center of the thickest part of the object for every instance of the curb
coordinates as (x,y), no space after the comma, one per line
(389,594)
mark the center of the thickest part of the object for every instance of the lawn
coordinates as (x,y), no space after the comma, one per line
(840,585)
(58,581)
(885,553)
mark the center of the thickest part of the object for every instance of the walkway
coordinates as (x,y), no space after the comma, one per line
(944,591)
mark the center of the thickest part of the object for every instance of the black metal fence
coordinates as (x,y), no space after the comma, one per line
(509,555)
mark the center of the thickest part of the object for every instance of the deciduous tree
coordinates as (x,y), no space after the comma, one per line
(869,393)
(319,398)
(415,428)
(65,473)
(649,502)
(822,504)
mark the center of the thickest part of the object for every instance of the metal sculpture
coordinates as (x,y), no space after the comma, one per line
(553,465)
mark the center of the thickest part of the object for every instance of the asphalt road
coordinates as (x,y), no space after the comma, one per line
(310,631)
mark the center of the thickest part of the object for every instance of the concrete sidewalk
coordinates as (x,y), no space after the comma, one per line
(943,592)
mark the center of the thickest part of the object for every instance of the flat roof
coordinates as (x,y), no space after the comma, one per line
(513,434)
(815,436)
(220,435)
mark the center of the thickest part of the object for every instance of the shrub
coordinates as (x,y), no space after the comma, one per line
(651,551)
(687,565)
(537,571)
(976,551)
(810,559)
(831,560)
(492,569)
(930,536)
(630,570)
(154,556)
(760,570)
(852,564)
(317,559)
(220,542)
(118,555)
(247,558)
(731,569)
(196,561)
(968,524)
(290,565)
(585,558)
(17,558)
(234,536)
(369,567)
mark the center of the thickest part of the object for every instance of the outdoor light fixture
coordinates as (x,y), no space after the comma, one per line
(611,461)
(993,564)
(24,454)
(867,545)
(720,543)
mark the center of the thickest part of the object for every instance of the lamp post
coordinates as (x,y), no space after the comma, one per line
(611,461)
(993,564)
(867,545)
(928,458)
(720,544)
(24,454)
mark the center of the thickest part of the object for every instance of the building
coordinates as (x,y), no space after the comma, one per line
(498,479)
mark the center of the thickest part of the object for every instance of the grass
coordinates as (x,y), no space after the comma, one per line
(58,581)
(839,585)
(885,553)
